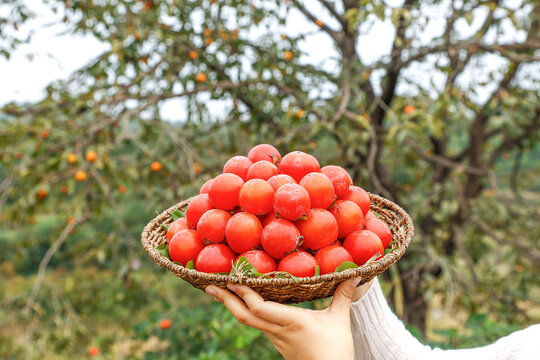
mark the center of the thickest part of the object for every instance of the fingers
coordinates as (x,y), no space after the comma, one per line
(361,290)
(343,296)
(270,311)
(238,308)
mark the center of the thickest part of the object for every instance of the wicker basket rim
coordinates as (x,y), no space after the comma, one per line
(405,226)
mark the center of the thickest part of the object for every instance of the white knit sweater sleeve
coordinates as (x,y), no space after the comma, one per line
(379,335)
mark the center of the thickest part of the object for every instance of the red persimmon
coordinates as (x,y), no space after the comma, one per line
(257,197)
(291,202)
(298,164)
(211,227)
(237,165)
(267,218)
(379,228)
(279,180)
(197,206)
(363,245)
(206,187)
(370,215)
(263,262)
(320,229)
(243,232)
(215,258)
(185,246)
(298,263)
(178,225)
(320,189)
(279,238)
(224,191)
(264,152)
(359,196)
(331,256)
(339,177)
(349,217)
(261,170)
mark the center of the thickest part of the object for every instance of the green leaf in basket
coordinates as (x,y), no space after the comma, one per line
(165,227)
(346,265)
(177,263)
(242,267)
(317,270)
(388,251)
(376,214)
(163,250)
(177,214)
(190,265)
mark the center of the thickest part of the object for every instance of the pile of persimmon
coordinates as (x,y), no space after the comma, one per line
(284,214)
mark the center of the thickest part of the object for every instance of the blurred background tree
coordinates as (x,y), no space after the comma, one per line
(432,125)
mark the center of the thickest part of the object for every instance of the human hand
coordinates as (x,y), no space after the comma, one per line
(297,333)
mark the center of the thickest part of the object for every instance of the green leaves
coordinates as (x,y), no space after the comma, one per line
(242,267)
(346,265)
(163,249)
(177,214)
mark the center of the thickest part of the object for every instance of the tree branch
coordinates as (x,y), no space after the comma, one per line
(47,257)
(334,34)
(529,253)
(334,12)
(444,161)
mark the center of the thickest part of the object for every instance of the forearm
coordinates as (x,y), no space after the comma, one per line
(379,335)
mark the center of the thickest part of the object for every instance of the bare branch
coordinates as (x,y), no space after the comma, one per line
(529,253)
(510,142)
(334,34)
(345,99)
(334,12)
(47,257)
(444,161)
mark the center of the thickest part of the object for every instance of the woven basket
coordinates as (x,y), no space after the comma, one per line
(285,290)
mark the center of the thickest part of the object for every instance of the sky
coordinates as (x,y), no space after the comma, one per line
(54,54)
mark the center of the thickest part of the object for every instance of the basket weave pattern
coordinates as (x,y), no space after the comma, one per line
(285,290)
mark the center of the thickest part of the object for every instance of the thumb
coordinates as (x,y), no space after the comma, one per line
(343,296)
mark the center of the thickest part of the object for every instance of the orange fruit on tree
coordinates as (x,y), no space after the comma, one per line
(64,189)
(93,351)
(208,41)
(156,166)
(80,175)
(148,5)
(91,156)
(165,324)
(409,109)
(122,189)
(319,23)
(197,169)
(42,194)
(200,77)
(193,55)
(300,113)
(45,134)
(72,158)
(287,55)
(207,32)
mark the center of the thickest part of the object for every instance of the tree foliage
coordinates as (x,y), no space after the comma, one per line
(427,125)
